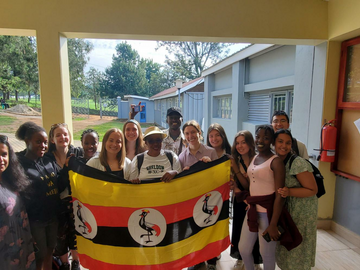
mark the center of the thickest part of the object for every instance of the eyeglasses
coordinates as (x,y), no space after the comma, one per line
(151,141)
(4,139)
(282,121)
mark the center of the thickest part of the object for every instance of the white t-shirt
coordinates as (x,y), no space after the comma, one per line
(95,163)
(154,167)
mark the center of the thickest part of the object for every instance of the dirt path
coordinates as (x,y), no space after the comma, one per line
(77,125)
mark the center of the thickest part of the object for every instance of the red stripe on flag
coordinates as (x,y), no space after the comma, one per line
(212,250)
(104,215)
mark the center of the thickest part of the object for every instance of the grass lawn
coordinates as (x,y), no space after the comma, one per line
(5,122)
(101,129)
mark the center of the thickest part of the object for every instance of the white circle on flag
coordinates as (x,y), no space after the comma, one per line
(147,226)
(85,222)
(207,209)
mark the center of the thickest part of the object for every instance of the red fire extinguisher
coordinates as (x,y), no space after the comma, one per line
(328,142)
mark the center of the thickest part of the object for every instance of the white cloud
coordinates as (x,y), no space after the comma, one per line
(101,55)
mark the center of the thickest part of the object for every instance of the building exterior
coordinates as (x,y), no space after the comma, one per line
(191,101)
(322,24)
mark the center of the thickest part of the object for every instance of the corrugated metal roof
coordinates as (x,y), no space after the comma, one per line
(173,90)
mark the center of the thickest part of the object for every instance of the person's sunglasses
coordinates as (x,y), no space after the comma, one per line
(151,141)
(58,125)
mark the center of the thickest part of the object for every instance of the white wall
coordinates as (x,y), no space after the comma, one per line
(272,65)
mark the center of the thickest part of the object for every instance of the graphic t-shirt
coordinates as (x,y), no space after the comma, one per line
(154,167)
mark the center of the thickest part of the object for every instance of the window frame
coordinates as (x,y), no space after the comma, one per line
(341,105)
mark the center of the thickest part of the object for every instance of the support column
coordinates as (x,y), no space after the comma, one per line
(54,78)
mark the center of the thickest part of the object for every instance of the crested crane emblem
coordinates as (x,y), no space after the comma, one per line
(85,222)
(147,226)
(207,209)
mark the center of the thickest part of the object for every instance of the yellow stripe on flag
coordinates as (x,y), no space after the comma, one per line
(101,193)
(154,255)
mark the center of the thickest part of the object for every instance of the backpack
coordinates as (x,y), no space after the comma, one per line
(140,159)
(317,175)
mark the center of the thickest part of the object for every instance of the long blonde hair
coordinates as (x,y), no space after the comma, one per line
(122,153)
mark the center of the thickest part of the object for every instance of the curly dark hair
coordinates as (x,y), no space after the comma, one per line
(14,177)
(267,128)
(27,130)
(88,131)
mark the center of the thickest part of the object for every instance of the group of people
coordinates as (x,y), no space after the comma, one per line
(36,216)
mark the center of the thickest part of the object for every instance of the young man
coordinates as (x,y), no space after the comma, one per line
(280,120)
(175,140)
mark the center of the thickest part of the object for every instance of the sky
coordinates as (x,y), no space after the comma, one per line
(101,55)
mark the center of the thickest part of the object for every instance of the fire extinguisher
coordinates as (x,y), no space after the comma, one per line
(328,141)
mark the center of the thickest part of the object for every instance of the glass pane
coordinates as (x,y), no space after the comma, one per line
(352,75)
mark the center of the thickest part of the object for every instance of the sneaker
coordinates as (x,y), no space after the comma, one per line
(65,266)
(257,267)
(239,265)
(197,266)
(211,267)
(75,265)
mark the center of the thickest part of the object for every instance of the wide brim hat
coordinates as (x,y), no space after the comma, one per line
(154,131)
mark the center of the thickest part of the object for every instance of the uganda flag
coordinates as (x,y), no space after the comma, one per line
(152,225)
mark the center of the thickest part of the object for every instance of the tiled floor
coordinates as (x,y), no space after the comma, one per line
(332,252)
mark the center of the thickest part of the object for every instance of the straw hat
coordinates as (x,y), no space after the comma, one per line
(152,131)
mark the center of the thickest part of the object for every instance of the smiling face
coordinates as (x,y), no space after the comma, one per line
(4,157)
(90,143)
(153,142)
(114,143)
(174,121)
(215,139)
(280,122)
(263,140)
(192,135)
(241,146)
(61,137)
(283,145)
(37,145)
(131,132)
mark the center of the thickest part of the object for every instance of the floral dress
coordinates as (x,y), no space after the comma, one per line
(16,245)
(304,213)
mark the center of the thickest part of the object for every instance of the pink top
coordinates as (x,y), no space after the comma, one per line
(261,179)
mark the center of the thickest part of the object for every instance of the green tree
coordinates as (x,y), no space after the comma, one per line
(78,50)
(126,75)
(191,58)
(94,80)
(18,65)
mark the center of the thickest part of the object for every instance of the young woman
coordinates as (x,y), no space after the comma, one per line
(196,150)
(301,202)
(216,138)
(89,142)
(242,151)
(134,141)
(265,175)
(14,223)
(112,157)
(165,164)
(193,153)
(41,196)
(60,149)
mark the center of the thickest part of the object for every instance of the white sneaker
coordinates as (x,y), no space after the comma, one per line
(257,267)
(239,265)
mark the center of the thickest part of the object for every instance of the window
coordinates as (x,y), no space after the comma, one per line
(223,107)
(262,106)
(283,101)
